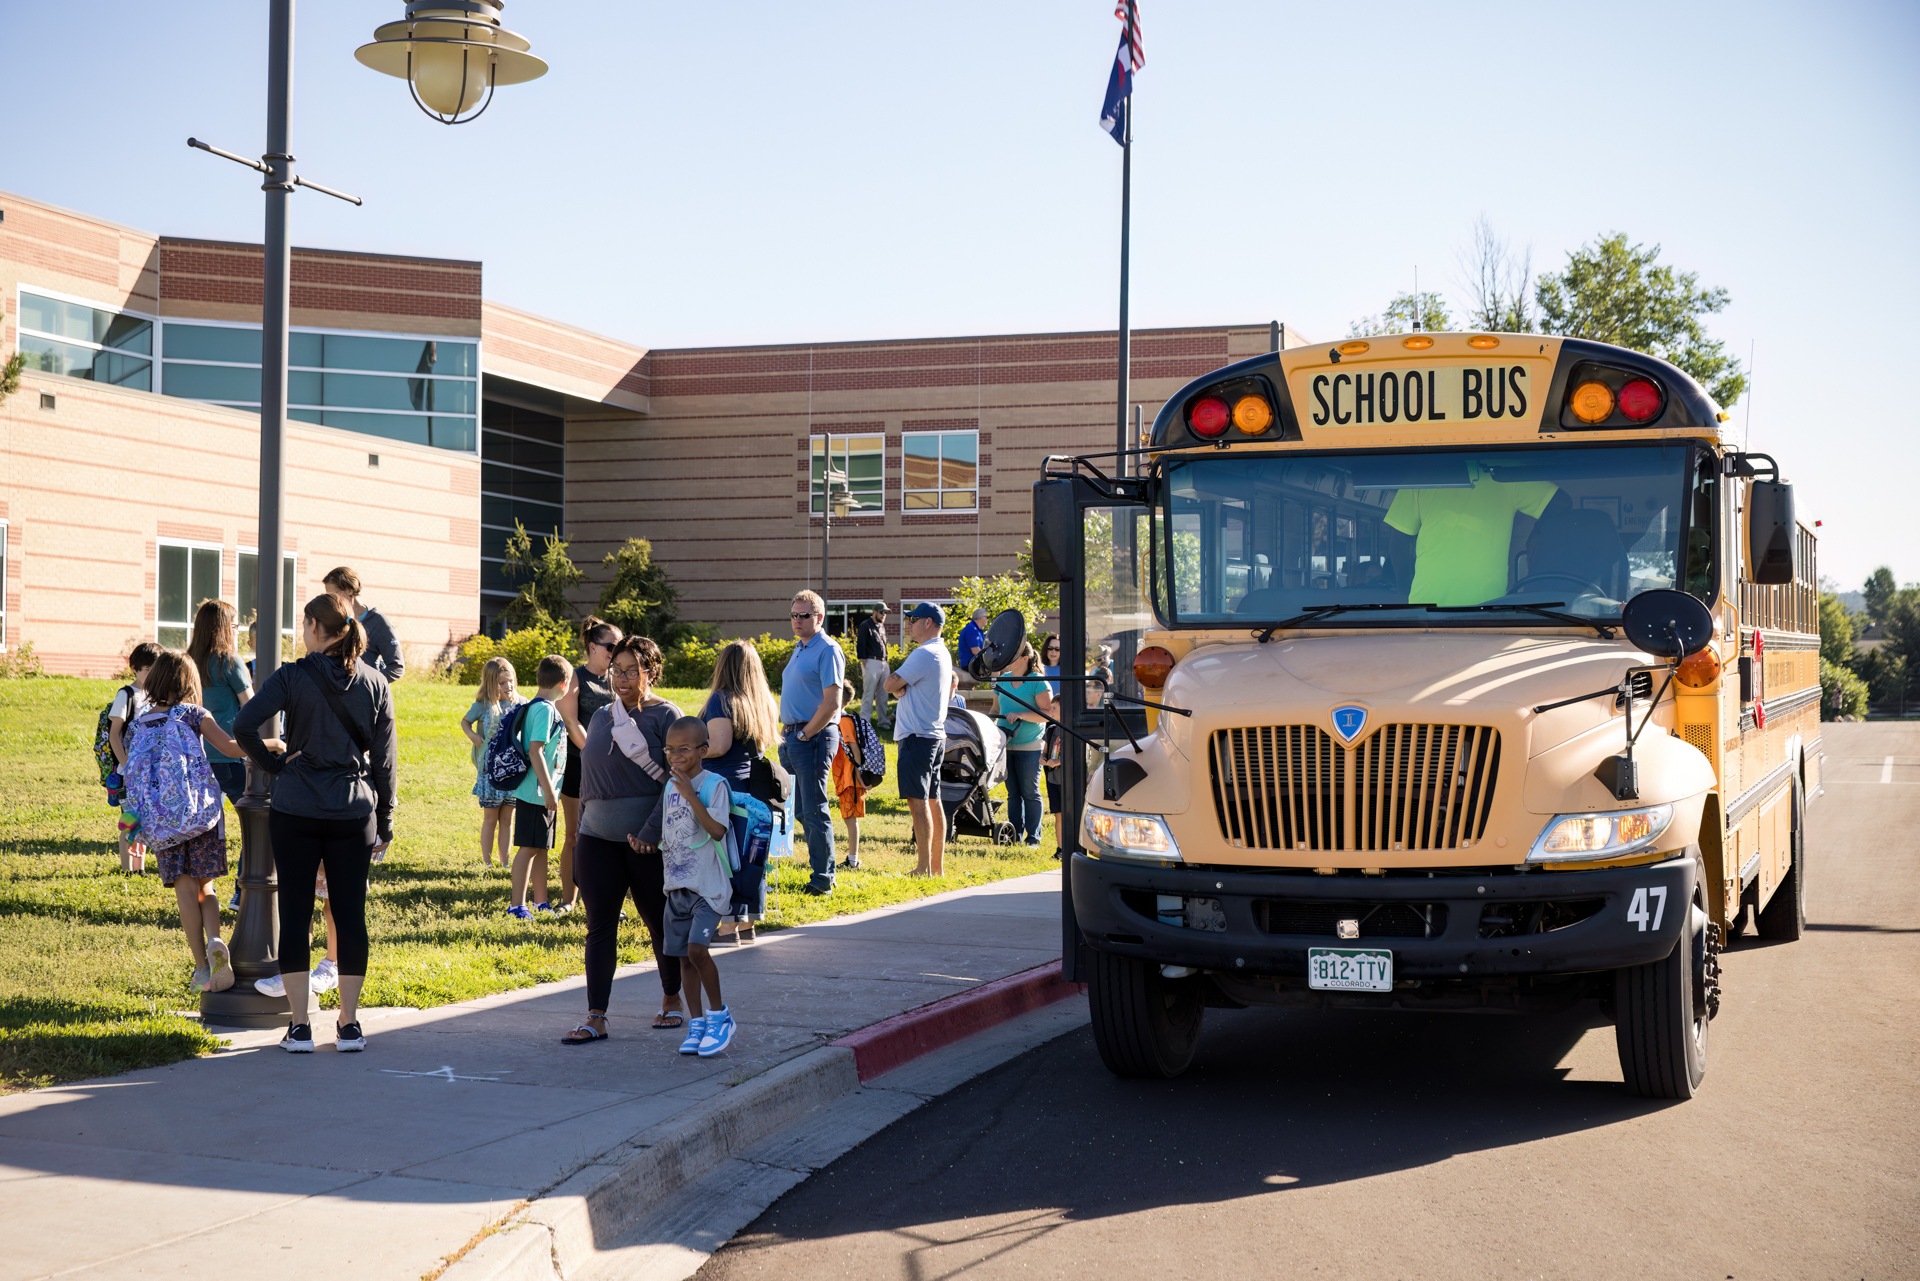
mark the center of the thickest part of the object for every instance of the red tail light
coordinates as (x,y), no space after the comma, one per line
(1640,401)
(1209,417)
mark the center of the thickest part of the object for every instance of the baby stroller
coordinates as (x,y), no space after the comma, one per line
(973,761)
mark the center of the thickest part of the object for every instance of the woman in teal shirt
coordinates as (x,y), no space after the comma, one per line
(223,682)
(1021,690)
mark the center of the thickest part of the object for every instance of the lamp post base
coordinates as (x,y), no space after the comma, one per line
(246,1009)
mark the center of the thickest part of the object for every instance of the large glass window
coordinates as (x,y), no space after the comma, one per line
(420,390)
(939,469)
(1577,530)
(189,573)
(3,585)
(523,466)
(856,464)
(84,341)
(249,592)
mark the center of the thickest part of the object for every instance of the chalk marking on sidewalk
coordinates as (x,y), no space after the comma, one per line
(446,1073)
(1886,770)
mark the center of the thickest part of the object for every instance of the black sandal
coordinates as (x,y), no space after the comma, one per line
(592,1033)
(679,1019)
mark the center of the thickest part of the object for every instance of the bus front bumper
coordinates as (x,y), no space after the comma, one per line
(1448,926)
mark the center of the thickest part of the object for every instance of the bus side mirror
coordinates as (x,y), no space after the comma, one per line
(1056,532)
(1770,532)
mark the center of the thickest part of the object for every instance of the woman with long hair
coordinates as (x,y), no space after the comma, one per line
(333,798)
(1025,709)
(743,722)
(586,694)
(223,678)
(623,772)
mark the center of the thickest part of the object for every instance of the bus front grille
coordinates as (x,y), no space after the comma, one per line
(1402,788)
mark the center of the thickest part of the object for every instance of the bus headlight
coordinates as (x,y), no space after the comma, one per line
(1577,838)
(1142,837)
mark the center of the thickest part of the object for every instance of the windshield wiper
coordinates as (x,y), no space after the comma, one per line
(1327,611)
(1543,609)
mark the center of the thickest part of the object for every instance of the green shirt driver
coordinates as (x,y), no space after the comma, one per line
(1463,535)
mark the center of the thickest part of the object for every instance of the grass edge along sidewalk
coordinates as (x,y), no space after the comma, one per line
(778,1127)
(94,971)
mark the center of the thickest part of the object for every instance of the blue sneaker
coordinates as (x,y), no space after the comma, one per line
(519,913)
(544,907)
(696,1033)
(719,1033)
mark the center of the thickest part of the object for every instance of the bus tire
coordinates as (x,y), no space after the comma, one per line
(1145,1025)
(1659,1025)
(1784,919)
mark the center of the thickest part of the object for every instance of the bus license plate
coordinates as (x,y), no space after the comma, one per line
(1350,969)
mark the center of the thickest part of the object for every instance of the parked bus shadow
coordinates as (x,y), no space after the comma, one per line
(1275,1102)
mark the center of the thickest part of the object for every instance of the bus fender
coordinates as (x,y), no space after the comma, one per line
(1563,780)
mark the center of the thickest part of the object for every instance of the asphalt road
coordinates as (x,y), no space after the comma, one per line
(1434,1146)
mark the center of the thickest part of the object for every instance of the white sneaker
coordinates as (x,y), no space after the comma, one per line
(273,987)
(219,966)
(324,977)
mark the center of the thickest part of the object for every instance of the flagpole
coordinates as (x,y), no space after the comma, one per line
(1126,211)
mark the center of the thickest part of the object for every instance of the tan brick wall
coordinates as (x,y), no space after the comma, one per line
(716,475)
(91,487)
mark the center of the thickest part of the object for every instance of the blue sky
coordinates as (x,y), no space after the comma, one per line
(705,174)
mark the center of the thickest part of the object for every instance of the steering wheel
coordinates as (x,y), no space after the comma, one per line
(1541,581)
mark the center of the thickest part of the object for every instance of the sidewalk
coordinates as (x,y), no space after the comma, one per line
(254,1161)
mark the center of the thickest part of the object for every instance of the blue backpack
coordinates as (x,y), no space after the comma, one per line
(506,763)
(170,787)
(752,829)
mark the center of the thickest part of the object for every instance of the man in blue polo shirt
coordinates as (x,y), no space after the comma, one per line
(810,730)
(972,638)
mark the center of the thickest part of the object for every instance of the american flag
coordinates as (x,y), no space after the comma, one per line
(1127,59)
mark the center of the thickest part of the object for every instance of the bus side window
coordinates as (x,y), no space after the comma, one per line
(1699,546)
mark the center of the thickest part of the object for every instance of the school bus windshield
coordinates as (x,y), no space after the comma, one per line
(1245,540)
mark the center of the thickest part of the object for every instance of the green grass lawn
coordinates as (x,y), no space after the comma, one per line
(93,967)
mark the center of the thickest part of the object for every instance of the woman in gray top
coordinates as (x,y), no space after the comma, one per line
(623,771)
(586,694)
(332,800)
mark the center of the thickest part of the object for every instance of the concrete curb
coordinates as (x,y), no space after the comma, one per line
(891,1042)
(557,1237)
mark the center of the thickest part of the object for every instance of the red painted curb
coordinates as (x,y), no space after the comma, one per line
(905,1037)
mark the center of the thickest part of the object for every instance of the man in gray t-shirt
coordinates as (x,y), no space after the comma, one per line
(920,730)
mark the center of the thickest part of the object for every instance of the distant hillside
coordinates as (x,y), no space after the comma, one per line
(1854,601)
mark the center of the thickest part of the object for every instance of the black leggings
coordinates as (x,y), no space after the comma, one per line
(607,872)
(300,846)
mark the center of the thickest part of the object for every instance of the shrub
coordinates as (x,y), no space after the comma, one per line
(689,665)
(21,664)
(1853,693)
(524,649)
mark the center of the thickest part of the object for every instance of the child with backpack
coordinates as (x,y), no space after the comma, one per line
(697,857)
(499,695)
(110,745)
(538,738)
(849,783)
(175,804)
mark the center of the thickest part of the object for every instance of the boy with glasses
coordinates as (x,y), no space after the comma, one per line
(695,827)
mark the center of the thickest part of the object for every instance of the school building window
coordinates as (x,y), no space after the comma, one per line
(421,390)
(189,573)
(939,469)
(844,615)
(248,592)
(79,340)
(855,462)
(523,476)
(3,586)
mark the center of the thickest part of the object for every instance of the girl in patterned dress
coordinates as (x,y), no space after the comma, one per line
(499,694)
(189,867)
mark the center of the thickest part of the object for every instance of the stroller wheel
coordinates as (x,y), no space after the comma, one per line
(1004,834)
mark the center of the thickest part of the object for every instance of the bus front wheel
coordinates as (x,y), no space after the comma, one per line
(1143,1023)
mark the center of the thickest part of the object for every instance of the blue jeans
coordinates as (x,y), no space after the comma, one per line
(1024,808)
(811,764)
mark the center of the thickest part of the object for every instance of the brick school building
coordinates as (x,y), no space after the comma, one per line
(425,419)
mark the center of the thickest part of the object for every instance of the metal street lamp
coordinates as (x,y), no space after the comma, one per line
(450,52)
(839,502)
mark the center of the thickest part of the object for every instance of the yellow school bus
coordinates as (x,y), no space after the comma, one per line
(1449,672)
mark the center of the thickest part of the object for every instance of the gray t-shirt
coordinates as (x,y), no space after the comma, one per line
(921,709)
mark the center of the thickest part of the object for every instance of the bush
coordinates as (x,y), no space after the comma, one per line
(689,665)
(524,649)
(21,664)
(1853,696)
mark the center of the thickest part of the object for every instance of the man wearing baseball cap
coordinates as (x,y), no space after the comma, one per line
(920,730)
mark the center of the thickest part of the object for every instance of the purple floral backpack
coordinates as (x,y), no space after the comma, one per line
(170,786)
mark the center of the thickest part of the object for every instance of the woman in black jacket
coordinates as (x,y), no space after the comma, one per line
(332,800)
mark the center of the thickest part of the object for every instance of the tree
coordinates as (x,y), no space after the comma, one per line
(1836,631)
(1878,593)
(1398,318)
(1498,284)
(1002,591)
(550,575)
(10,374)
(1614,292)
(1853,693)
(641,600)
